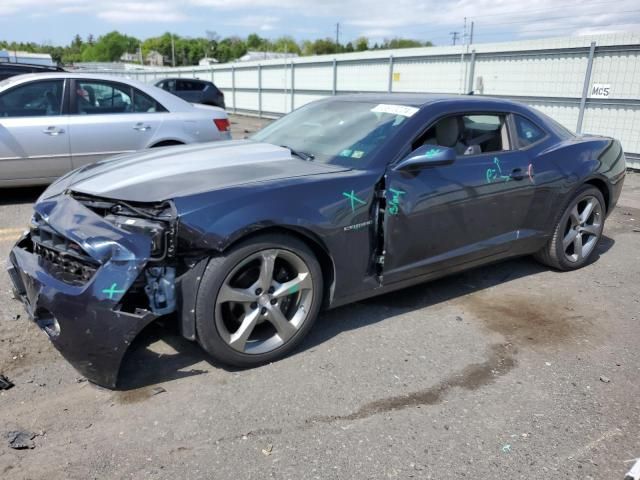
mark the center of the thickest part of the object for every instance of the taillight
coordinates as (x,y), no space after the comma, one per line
(222,124)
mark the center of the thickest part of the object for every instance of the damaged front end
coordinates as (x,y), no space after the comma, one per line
(93,273)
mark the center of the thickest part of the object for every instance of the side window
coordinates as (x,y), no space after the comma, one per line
(182,85)
(143,103)
(527,132)
(169,85)
(469,134)
(34,99)
(95,98)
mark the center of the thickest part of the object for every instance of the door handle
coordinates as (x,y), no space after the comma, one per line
(517,174)
(53,131)
(141,127)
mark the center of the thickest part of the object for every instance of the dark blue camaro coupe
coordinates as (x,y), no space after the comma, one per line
(345,198)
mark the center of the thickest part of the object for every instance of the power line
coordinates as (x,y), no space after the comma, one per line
(558,29)
(546,9)
(438,34)
(551,19)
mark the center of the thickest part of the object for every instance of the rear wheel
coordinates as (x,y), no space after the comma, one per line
(577,232)
(256,303)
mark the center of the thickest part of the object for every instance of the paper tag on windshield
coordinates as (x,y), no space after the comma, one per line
(403,110)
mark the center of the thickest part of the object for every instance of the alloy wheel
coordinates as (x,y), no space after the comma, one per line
(264,301)
(583,229)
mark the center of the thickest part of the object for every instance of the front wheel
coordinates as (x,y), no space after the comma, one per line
(257,302)
(577,232)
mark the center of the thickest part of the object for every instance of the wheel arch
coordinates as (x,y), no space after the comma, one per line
(601,185)
(166,143)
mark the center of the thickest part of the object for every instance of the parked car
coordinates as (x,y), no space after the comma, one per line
(55,122)
(10,69)
(194,91)
(343,199)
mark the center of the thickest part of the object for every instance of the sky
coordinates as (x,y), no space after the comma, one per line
(57,21)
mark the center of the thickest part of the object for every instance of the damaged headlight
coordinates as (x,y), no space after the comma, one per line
(155,230)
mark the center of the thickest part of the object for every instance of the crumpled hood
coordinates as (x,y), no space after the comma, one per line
(161,174)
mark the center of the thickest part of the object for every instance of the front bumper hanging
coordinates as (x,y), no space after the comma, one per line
(83,320)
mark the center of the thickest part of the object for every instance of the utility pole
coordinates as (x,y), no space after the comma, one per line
(173,52)
(338,34)
(454,36)
(471,35)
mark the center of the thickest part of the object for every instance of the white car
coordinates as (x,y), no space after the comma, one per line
(51,123)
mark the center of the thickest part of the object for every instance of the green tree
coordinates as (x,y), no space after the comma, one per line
(362,44)
(320,47)
(402,43)
(286,44)
(110,47)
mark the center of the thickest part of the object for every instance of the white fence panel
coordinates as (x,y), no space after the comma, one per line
(314,77)
(363,77)
(548,74)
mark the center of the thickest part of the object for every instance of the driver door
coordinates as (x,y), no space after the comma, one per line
(443,216)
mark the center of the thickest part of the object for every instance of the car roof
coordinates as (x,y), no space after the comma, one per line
(421,100)
(168,100)
(184,78)
(30,66)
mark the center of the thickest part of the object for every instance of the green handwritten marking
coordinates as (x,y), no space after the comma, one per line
(294,289)
(493,174)
(112,291)
(497,162)
(354,199)
(432,153)
(394,202)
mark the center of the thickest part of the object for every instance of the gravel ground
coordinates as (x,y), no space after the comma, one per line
(510,371)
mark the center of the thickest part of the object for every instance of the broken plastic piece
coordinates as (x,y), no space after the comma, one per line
(161,289)
(21,440)
(5,383)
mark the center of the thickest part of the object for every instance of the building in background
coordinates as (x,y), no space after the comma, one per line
(155,59)
(207,61)
(253,56)
(26,57)
(130,57)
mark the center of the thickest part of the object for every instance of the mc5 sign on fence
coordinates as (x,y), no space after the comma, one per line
(600,90)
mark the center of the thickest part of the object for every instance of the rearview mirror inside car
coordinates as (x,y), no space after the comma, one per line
(427,156)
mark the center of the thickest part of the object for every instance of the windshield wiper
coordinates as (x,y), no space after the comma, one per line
(303,155)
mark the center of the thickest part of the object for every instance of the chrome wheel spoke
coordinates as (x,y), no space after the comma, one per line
(577,247)
(238,295)
(591,229)
(238,340)
(301,282)
(267,265)
(587,211)
(569,238)
(575,215)
(284,327)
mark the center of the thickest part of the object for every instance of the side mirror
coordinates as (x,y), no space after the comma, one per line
(427,156)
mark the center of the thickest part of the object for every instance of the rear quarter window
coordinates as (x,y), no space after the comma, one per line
(527,132)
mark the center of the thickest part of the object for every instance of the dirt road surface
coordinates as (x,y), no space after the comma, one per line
(511,371)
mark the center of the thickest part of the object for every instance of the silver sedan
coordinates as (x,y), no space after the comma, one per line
(51,123)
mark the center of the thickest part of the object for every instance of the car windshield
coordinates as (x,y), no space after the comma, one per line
(338,132)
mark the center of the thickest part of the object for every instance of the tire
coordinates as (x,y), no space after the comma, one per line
(237,321)
(563,253)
